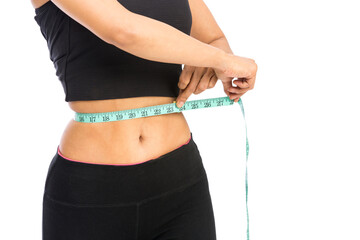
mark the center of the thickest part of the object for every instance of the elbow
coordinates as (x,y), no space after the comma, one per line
(121,37)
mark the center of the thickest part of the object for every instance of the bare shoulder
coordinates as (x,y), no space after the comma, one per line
(38,3)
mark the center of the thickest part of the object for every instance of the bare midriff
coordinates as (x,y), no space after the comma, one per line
(127,141)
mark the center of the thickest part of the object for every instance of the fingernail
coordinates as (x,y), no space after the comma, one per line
(180,104)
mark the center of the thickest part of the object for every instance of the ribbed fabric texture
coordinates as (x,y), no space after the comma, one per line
(91,69)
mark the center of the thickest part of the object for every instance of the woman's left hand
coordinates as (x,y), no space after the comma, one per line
(194,80)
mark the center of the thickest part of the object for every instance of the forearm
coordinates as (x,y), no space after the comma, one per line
(223,44)
(154,40)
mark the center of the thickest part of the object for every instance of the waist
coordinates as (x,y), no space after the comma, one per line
(111,105)
(123,142)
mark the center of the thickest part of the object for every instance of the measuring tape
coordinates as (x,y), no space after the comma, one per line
(167,109)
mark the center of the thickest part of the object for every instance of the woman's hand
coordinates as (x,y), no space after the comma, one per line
(233,66)
(194,80)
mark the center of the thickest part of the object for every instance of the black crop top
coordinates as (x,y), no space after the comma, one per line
(91,69)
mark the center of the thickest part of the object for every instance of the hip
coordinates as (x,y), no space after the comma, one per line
(87,184)
(138,201)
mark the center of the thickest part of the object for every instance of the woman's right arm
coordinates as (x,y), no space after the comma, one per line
(140,35)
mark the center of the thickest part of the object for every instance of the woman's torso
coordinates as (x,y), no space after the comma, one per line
(122,142)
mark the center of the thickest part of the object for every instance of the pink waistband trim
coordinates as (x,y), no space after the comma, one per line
(58,150)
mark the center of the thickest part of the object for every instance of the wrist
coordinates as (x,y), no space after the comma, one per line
(221,60)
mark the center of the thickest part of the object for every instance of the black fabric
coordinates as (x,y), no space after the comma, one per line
(165,198)
(91,69)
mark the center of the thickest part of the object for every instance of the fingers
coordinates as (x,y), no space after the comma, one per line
(192,83)
(185,76)
(238,89)
(185,94)
(245,70)
(195,80)
(226,86)
(184,80)
(213,81)
(251,80)
(205,80)
(201,77)
(242,82)
(242,87)
(236,97)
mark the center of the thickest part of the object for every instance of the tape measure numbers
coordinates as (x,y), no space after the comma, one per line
(151,111)
(167,109)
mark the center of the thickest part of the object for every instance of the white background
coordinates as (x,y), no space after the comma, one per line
(302,118)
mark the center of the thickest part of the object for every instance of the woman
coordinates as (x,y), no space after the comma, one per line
(140,178)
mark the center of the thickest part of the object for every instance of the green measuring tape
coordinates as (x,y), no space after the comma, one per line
(167,109)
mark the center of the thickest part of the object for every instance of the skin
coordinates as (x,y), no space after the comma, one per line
(206,56)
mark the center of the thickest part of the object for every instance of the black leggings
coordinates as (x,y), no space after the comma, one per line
(166,198)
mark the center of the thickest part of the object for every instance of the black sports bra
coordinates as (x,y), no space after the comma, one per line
(91,69)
